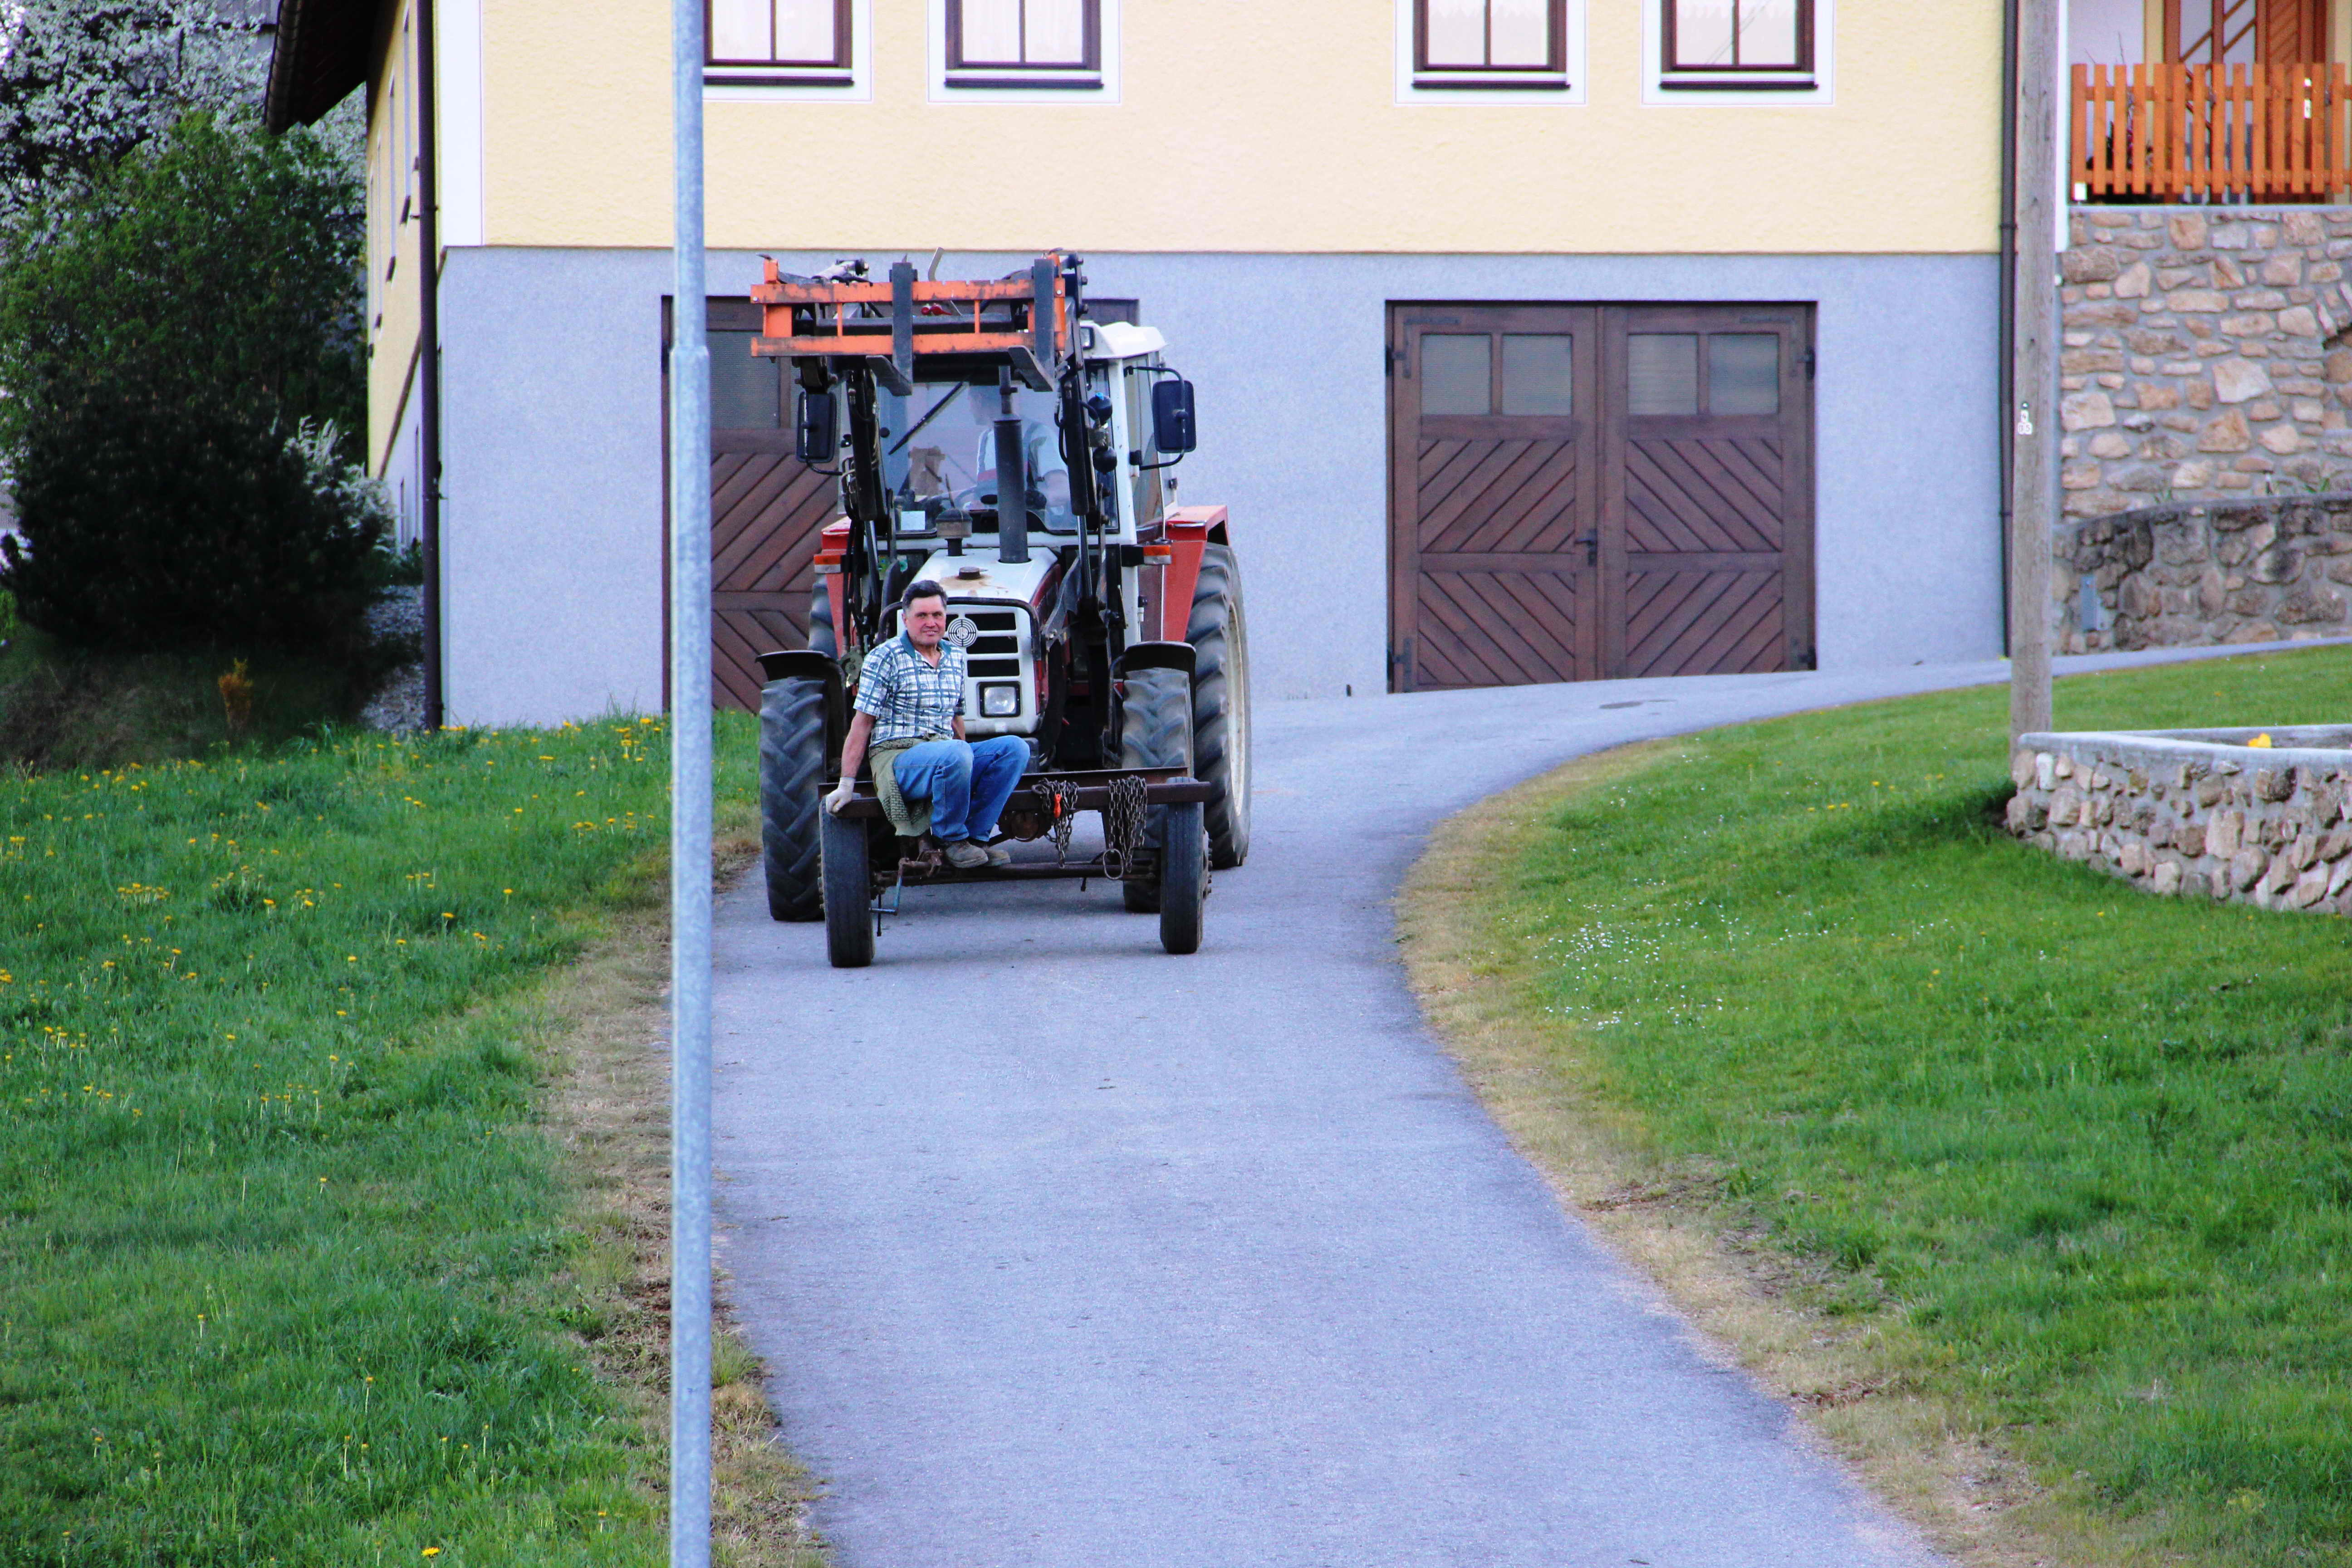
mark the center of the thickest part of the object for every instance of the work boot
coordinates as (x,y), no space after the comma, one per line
(964,855)
(998,855)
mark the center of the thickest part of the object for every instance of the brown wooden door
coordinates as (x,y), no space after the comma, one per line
(1580,491)
(1706,482)
(2230,31)
(767,510)
(1494,505)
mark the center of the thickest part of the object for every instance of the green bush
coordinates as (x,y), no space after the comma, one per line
(179,346)
(155,527)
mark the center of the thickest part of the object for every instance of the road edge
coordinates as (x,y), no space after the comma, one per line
(1853,1389)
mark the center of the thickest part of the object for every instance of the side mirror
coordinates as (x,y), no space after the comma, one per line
(816,439)
(1172,431)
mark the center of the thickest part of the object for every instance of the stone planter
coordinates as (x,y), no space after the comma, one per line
(2197,812)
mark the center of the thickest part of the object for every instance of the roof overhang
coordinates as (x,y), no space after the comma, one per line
(323,51)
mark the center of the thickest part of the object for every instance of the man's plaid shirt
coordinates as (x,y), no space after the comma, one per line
(910,697)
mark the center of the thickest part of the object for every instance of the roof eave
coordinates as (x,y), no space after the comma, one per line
(321,55)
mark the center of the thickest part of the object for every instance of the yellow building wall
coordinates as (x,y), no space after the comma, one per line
(392,238)
(1253,125)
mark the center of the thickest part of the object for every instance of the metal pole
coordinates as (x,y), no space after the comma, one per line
(690,833)
(428,356)
(2034,417)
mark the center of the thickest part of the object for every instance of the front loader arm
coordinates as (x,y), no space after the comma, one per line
(863,499)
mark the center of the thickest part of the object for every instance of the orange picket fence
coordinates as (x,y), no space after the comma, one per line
(2256,131)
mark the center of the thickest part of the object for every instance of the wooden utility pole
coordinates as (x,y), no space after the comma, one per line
(2032,477)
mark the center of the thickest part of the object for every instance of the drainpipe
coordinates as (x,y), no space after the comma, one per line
(2005,420)
(428,354)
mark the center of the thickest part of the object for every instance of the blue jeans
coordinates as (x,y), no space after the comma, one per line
(967,783)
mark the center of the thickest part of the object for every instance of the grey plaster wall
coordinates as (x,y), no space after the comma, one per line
(551,462)
(555,460)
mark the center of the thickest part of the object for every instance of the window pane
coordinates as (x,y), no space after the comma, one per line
(1539,374)
(1522,32)
(1057,32)
(1457,32)
(991,32)
(746,394)
(1454,372)
(1702,33)
(1743,372)
(804,31)
(739,30)
(1767,33)
(1662,373)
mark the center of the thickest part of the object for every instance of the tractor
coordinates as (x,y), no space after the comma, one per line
(992,437)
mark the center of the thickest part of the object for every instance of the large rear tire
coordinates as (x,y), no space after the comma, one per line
(1218,634)
(1183,880)
(1155,731)
(848,894)
(791,777)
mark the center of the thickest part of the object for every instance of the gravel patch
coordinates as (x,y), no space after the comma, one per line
(399,705)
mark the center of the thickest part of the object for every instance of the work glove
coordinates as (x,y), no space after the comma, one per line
(843,794)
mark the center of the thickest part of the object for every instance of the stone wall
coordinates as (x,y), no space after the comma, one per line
(2197,812)
(2192,575)
(2201,357)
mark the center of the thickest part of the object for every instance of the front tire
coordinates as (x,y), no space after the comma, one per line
(1155,731)
(1221,706)
(1183,879)
(792,778)
(848,894)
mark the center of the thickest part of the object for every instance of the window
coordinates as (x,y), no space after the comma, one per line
(1457,375)
(1738,45)
(1663,376)
(1475,44)
(747,392)
(778,43)
(1051,44)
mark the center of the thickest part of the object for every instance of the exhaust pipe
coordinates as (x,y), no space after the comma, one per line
(1012,478)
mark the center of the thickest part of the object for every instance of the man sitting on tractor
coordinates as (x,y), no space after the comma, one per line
(910,716)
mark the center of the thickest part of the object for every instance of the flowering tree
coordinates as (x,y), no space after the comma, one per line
(84,82)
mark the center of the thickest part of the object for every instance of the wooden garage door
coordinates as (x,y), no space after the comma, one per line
(1496,503)
(1583,491)
(767,511)
(1707,483)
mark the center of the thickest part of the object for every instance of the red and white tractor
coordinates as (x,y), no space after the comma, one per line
(989,435)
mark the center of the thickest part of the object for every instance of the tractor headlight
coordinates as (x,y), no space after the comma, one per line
(999,699)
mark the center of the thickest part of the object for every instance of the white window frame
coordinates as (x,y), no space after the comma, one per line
(1514,88)
(856,86)
(1729,90)
(1062,89)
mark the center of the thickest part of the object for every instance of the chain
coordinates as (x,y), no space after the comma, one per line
(1122,825)
(1054,795)
(1123,819)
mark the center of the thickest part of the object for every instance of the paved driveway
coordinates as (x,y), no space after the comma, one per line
(1069,1254)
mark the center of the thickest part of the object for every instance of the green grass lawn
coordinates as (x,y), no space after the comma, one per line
(2089,1151)
(281,1240)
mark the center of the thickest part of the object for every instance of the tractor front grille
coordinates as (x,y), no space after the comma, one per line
(1001,652)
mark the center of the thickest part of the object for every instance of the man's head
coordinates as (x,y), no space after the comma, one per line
(923,611)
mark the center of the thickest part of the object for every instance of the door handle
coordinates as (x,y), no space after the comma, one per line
(1591,543)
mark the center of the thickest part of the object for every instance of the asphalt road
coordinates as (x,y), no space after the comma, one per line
(1069,1254)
